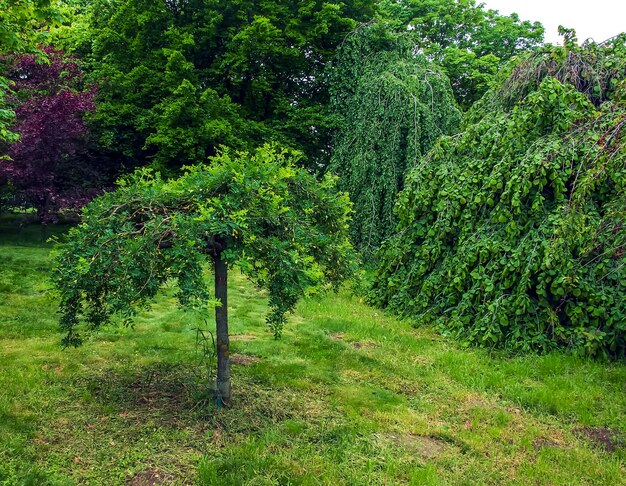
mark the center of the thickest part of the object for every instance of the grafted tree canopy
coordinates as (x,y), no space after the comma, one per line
(258,212)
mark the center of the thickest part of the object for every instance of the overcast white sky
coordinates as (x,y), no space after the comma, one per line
(599,19)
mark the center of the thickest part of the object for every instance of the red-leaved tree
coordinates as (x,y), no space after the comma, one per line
(48,168)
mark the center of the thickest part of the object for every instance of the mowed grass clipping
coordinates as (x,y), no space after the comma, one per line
(348,396)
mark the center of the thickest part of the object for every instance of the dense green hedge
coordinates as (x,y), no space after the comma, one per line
(513,234)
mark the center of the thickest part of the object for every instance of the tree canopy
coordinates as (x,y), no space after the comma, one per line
(261,213)
(22,29)
(22,22)
(179,79)
(48,167)
(513,234)
(469,41)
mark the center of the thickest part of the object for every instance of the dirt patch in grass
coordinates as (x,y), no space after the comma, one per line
(150,477)
(244,359)
(424,361)
(606,439)
(340,336)
(427,447)
(337,336)
(401,386)
(476,400)
(542,443)
(364,344)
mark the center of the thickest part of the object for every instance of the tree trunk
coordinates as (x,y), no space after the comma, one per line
(42,211)
(221,331)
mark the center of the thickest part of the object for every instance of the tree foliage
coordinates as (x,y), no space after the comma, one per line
(513,234)
(470,42)
(22,23)
(47,167)
(22,28)
(275,222)
(179,78)
(596,70)
(393,105)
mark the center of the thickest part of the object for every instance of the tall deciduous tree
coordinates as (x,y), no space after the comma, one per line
(234,72)
(22,27)
(281,227)
(47,167)
(469,41)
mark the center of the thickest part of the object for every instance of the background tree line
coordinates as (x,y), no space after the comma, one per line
(450,126)
(169,81)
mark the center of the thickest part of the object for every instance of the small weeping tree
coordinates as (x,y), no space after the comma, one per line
(256,211)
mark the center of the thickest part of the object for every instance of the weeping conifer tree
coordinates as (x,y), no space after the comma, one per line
(392,105)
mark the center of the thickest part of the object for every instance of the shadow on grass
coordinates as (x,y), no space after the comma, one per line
(178,395)
(151,387)
(23,230)
(11,423)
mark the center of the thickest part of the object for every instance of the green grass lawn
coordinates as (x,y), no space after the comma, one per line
(349,396)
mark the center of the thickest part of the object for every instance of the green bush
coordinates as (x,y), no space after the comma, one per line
(513,234)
